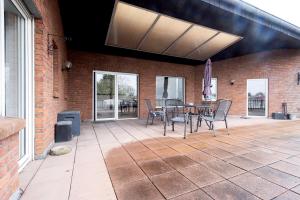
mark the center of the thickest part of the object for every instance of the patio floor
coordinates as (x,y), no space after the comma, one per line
(260,159)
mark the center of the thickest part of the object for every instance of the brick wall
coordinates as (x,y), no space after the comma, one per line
(279,67)
(50,84)
(80,82)
(9,177)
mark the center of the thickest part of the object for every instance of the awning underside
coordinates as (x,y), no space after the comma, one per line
(140,29)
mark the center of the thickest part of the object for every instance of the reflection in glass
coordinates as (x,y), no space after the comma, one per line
(257,91)
(127,94)
(14,67)
(214,87)
(174,86)
(105,98)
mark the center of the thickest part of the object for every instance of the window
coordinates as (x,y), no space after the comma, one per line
(169,88)
(214,89)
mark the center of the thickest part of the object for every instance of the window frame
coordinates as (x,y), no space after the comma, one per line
(203,99)
(183,87)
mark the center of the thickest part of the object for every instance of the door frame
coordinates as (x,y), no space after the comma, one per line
(266,100)
(94,102)
(28,69)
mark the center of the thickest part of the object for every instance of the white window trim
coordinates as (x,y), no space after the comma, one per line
(203,99)
(29,76)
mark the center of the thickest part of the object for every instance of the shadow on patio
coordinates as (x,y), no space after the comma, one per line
(125,160)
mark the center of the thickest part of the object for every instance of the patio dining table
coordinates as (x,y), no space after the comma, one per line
(193,109)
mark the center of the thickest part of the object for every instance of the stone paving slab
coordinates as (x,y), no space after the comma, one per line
(125,160)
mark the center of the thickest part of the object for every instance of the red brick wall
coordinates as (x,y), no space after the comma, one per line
(9,155)
(48,100)
(279,67)
(80,78)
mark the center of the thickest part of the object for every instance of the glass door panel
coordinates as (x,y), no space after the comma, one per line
(257,90)
(14,32)
(105,96)
(127,96)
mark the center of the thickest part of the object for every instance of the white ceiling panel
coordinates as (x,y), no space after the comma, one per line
(129,25)
(193,38)
(163,34)
(213,46)
(144,30)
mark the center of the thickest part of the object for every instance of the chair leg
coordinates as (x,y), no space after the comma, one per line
(165,127)
(184,136)
(213,128)
(173,126)
(147,120)
(227,127)
(198,121)
(191,124)
(152,120)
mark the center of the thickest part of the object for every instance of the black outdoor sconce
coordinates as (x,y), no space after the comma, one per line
(298,78)
(51,43)
(66,66)
(232,82)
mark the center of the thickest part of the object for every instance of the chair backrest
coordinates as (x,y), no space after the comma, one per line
(149,105)
(222,109)
(177,106)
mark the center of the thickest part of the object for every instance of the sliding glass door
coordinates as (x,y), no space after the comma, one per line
(115,96)
(16,70)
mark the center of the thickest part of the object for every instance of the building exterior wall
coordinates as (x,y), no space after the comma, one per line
(280,67)
(57,90)
(50,92)
(80,90)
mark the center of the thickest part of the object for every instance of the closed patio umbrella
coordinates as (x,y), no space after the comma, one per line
(166,83)
(207,80)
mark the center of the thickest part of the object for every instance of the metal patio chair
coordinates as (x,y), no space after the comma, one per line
(152,113)
(178,114)
(220,114)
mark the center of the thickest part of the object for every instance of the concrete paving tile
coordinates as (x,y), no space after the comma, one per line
(287,168)
(278,177)
(288,196)
(183,148)
(118,161)
(59,190)
(91,183)
(201,175)
(219,153)
(243,163)
(226,190)
(179,162)
(126,174)
(155,167)
(294,160)
(258,186)
(265,156)
(296,189)
(144,155)
(224,169)
(199,156)
(173,184)
(137,190)
(195,195)
(166,152)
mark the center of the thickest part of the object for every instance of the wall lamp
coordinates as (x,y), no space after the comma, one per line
(67,66)
(51,43)
(232,82)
